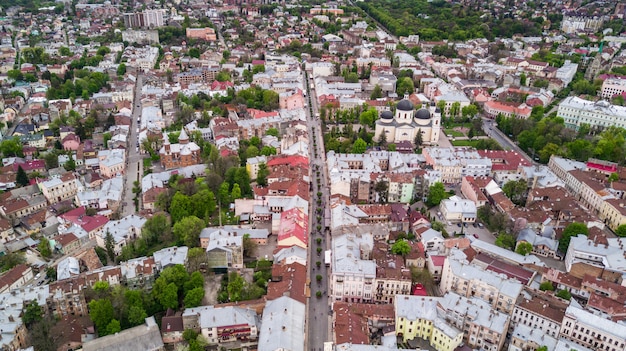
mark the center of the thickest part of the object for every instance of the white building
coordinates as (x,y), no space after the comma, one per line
(592,331)
(122,231)
(456,209)
(612,87)
(576,111)
(353,270)
(406,123)
(283,325)
(611,256)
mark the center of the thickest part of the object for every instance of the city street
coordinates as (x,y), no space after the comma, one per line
(134,160)
(318,316)
(489,126)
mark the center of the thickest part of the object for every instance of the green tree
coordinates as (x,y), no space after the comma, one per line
(224,193)
(180,207)
(272,132)
(109,245)
(168,298)
(621,231)
(515,190)
(249,246)
(542,348)
(101,313)
(32,313)
(136,315)
(113,327)
(21,178)
(405,86)
(11,260)
(368,117)
(418,140)
(187,231)
(524,248)
(506,241)
(262,173)
(268,151)
(236,192)
(359,146)
(574,229)
(11,147)
(522,79)
(194,52)
(194,297)
(70,165)
(436,193)
(401,247)
(251,151)
(546,286)
(235,287)
(564,294)
(377,93)
(44,247)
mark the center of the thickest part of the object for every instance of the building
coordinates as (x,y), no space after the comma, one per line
(592,331)
(353,270)
(406,123)
(283,325)
(612,87)
(140,36)
(59,188)
(507,109)
(610,255)
(206,34)
(293,228)
(416,317)
(184,153)
(122,231)
(457,163)
(15,278)
(146,337)
(222,324)
(576,111)
(456,209)
(542,312)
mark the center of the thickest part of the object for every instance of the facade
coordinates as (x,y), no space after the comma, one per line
(146,337)
(610,256)
(456,209)
(406,123)
(206,34)
(457,163)
(60,188)
(612,87)
(576,111)
(592,331)
(221,325)
(541,312)
(185,153)
(353,271)
(416,317)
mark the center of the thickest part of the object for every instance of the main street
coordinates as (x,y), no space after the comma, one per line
(134,160)
(490,128)
(318,313)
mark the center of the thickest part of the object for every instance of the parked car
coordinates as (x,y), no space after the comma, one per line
(480,225)
(474,225)
(476,236)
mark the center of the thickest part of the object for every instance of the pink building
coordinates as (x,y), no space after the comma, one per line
(291,100)
(293,228)
(207,34)
(71,142)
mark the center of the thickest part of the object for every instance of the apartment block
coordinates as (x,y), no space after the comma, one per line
(353,270)
(592,331)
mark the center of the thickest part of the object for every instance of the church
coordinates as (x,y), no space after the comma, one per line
(185,153)
(406,123)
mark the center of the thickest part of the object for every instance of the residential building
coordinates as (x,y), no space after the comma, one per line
(469,280)
(293,228)
(59,188)
(146,337)
(539,311)
(507,109)
(592,331)
(417,317)
(610,255)
(122,231)
(353,271)
(576,111)
(221,325)
(138,272)
(283,325)
(6,231)
(392,277)
(15,278)
(170,256)
(612,87)
(224,250)
(406,123)
(456,209)
(456,163)
(206,34)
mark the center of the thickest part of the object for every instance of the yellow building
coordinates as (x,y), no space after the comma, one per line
(613,212)
(416,316)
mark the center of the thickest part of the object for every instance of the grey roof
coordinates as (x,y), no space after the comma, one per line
(171,256)
(282,327)
(347,255)
(212,317)
(422,113)
(405,105)
(146,337)
(386,115)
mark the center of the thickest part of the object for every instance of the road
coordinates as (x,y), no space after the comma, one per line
(489,126)
(134,160)
(318,316)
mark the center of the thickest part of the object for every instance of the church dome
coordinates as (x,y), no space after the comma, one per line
(422,113)
(386,115)
(405,105)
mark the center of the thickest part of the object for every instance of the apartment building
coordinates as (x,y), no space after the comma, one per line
(576,111)
(483,328)
(610,255)
(472,281)
(353,271)
(612,87)
(59,188)
(542,312)
(456,163)
(221,325)
(592,331)
(392,277)
(417,317)
(613,212)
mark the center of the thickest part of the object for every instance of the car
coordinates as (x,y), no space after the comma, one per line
(474,225)
(465,225)
(458,225)
(480,225)
(476,236)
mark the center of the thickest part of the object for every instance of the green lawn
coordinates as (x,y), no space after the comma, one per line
(453,133)
(471,143)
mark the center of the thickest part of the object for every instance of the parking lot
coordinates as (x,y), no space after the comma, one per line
(469,229)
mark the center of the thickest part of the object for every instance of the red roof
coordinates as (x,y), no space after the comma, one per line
(30,165)
(612,168)
(292,160)
(419,290)
(438,261)
(503,160)
(254,113)
(294,223)
(88,223)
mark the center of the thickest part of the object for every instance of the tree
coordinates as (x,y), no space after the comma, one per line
(44,247)
(574,229)
(168,298)
(382,139)
(522,79)
(368,117)
(249,246)
(180,207)
(506,241)
(101,313)
(187,231)
(236,192)
(272,132)
(11,147)
(32,313)
(121,69)
(136,315)
(194,297)
(251,151)
(109,245)
(262,173)
(113,327)
(382,190)
(621,231)
(359,146)
(515,190)
(436,193)
(405,86)
(418,140)
(377,93)
(546,286)
(542,348)
(11,260)
(524,248)
(401,247)
(70,165)
(41,335)
(21,178)
(102,255)
(268,151)
(564,294)
(235,287)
